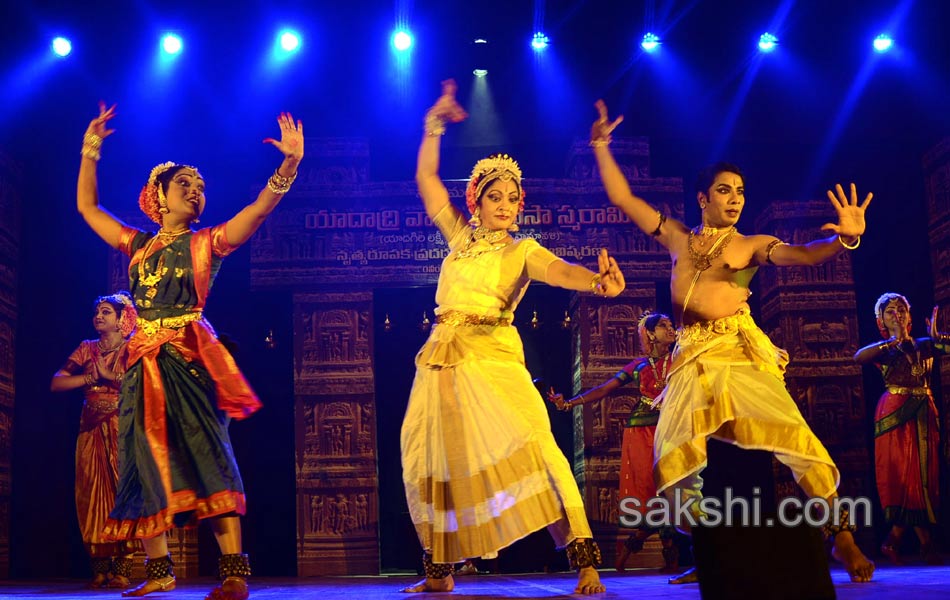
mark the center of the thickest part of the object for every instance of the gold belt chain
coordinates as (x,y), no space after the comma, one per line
(908,391)
(151,326)
(457,318)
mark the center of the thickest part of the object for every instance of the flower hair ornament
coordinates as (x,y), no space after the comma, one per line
(496,167)
(152,198)
(881,304)
(128,314)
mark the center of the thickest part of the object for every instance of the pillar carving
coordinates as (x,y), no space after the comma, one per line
(335,405)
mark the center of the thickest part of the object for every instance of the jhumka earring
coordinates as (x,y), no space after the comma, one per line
(475,220)
(513,227)
(162,203)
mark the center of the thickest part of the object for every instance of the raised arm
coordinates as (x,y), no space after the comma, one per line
(104,223)
(608,281)
(648,219)
(848,230)
(243,225)
(445,110)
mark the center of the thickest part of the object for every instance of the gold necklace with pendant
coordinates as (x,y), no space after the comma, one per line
(917,368)
(703,260)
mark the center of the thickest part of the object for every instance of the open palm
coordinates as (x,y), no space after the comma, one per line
(291,137)
(850,213)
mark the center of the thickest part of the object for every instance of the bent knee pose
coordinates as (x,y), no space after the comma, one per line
(480,464)
(182,386)
(727,378)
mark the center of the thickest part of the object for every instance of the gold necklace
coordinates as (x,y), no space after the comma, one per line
(167,237)
(917,368)
(707,231)
(103,350)
(702,261)
(152,280)
(660,373)
(496,239)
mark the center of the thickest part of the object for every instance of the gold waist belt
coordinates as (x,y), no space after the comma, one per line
(703,330)
(151,326)
(457,318)
(908,391)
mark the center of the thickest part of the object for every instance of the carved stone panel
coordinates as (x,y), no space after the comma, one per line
(337,512)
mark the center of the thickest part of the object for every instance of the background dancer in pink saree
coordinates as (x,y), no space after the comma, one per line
(480,464)
(727,378)
(648,375)
(906,434)
(97,367)
(182,386)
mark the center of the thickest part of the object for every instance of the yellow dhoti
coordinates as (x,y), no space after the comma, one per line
(727,382)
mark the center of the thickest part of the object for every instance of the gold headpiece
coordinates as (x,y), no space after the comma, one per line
(497,166)
(159,169)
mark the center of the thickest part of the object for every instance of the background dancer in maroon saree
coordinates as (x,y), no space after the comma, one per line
(182,386)
(906,435)
(648,374)
(96,367)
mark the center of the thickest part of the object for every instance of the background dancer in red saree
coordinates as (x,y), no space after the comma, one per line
(648,375)
(727,378)
(906,434)
(182,386)
(480,464)
(96,367)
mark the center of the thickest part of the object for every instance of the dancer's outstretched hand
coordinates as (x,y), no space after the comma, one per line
(291,137)
(612,282)
(98,126)
(447,107)
(850,214)
(558,400)
(602,128)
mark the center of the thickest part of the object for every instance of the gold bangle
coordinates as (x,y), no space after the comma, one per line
(91,139)
(434,124)
(851,247)
(90,153)
(280,184)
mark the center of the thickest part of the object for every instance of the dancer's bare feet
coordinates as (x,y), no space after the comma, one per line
(232,588)
(847,553)
(119,582)
(446,584)
(98,581)
(165,584)
(588,582)
(688,576)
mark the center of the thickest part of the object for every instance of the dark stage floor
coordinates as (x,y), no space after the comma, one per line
(904,583)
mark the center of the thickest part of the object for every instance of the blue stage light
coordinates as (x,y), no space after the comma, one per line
(539,42)
(402,40)
(289,40)
(767,42)
(650,42)
(171,44)
(883,43)
(61,46)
